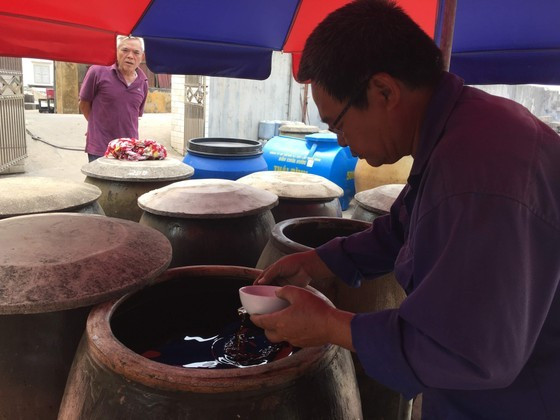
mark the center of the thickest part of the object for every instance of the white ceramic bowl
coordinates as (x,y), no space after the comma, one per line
(261,299)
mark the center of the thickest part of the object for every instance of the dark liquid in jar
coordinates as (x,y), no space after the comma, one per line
(240,345)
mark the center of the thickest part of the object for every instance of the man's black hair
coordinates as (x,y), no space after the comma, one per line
(363,38)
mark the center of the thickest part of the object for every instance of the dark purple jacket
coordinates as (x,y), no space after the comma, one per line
(474,239)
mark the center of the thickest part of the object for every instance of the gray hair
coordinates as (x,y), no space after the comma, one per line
(123,38)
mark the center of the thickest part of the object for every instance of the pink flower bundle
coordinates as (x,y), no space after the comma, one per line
(134,149)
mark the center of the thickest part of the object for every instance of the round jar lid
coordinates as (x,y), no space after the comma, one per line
(298,128)
(58,261)
(294,185)
(34,194)
(224,147)
(138,171)
(379,199)
(207,198)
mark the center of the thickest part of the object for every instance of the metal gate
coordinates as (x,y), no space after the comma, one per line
(195,98)
(12,119)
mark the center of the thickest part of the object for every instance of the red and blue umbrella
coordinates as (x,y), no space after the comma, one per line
(498,41)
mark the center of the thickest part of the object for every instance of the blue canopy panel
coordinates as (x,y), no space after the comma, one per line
(215,37)
(514,42)
(176,56)
(508,67)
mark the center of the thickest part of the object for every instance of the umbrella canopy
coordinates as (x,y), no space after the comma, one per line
(503,41)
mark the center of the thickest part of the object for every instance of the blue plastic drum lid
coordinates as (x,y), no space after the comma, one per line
(224,158)
(318,154)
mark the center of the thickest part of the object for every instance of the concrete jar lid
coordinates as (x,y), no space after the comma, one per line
(58,261)
(138,171)
(294,185)
(207,198)
(298,128)
(379,199)
(35,194)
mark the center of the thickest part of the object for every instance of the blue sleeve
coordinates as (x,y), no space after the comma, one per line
(474,318)
(370,253)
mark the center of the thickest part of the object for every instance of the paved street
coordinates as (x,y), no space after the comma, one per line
(55,142)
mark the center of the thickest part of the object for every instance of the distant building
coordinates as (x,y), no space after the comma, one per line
(38,78)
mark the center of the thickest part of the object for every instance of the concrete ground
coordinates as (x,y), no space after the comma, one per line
(55,142)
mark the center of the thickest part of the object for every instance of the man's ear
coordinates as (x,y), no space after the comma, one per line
(385,89)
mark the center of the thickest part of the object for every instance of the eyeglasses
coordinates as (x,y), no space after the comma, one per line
(337,120)
(350,102)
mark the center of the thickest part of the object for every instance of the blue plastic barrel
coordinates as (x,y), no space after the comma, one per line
(317,154)
(224,158)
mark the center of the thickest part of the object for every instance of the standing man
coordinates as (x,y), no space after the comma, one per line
(474,238)
(112,98)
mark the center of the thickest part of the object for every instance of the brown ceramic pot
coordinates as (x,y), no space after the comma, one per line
(299,194)
(111,380)
(375,202)
(211,221)
(306,233)
(53,268)
(121,182)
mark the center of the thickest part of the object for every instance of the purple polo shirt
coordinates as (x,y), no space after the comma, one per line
(115,106)
(474,239)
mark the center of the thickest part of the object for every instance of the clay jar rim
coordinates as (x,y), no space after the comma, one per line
(287,245)
(108,351)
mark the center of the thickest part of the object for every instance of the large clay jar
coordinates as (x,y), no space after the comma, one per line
(121,182)
(35,194)
(53,268)
(375,202)
(211,221)
(306,233)
(367,177)
(299,194)
(111,380)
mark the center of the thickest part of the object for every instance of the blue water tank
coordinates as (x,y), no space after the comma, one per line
(224,158)
(317,154)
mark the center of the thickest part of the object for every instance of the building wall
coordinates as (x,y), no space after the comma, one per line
(542,101)
(178,113)
(236,106)
(34,87)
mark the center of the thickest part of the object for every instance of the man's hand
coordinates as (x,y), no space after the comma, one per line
(309,321)
(296,269)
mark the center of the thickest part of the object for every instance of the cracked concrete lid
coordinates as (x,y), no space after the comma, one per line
(207,198)
(294,185)
(34,194)
(58,261)
(138,171)
(379,199)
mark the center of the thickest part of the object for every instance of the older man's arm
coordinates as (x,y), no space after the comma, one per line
(85,108)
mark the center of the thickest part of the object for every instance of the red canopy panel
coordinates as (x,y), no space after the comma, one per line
(312,12)
(66,30)
(53,41)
